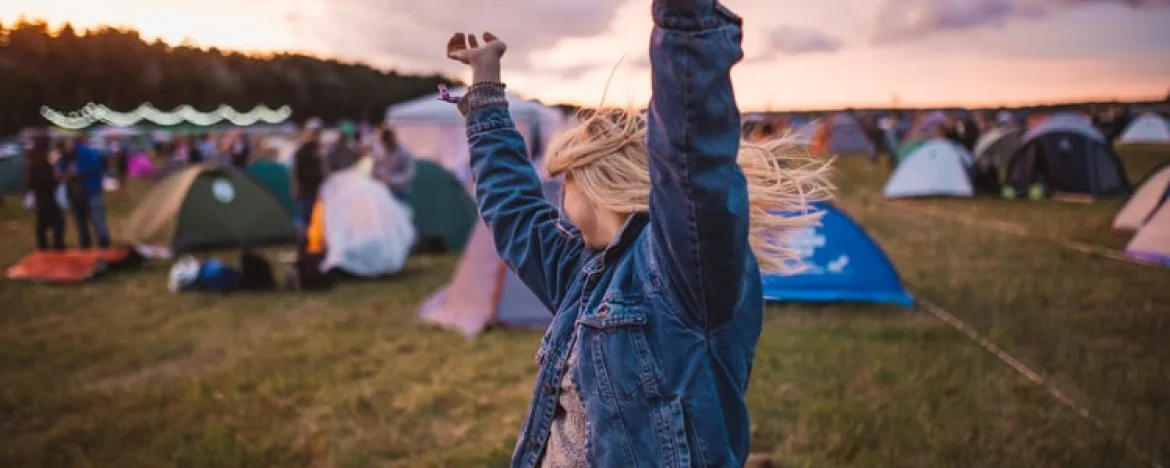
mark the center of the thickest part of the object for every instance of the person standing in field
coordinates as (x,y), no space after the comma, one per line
(41,180)
(308,173)
(82,169)
(652,261)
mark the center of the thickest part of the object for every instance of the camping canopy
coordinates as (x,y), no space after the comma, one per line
(435,130)
(205,207)
(444,213)
(937,167)
(1066,154)
(844,265)
(1147,128)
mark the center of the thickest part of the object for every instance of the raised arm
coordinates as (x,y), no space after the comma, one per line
(699,200)
(524,224)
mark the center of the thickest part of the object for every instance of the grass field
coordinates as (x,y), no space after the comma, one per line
(121,373)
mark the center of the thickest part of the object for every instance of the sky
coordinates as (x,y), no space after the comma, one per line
(798,53)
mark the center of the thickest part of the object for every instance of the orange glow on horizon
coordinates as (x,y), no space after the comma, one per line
(856,78)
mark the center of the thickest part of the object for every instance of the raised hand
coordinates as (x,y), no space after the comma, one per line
(483,59)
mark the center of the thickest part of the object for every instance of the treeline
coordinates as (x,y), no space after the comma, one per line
(64,70)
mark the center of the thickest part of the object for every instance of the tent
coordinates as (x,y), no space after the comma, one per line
(1152,241)
(808,131)
(844,265)
(367,231)
(1066,154)
(140,166)
(444,213)
(435,130)
(276,179)
(1149,196)
(926,126)
(997,146)
(1147,128)
(11,173)
(206,207)
(485,292)
(843,134)
(937,167)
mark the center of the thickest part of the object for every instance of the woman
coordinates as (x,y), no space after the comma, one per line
(655,279)
(41,180)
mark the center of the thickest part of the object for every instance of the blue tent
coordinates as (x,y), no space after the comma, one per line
(844,265)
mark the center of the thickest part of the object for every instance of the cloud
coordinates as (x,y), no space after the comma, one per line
(792,40)
(411,34)
(904,20)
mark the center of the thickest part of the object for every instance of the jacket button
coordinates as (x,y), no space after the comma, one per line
(532,444)
(548,388)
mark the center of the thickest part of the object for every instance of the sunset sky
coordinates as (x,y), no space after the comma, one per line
(799,53)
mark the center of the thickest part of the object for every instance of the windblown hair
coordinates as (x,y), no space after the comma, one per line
(606,156)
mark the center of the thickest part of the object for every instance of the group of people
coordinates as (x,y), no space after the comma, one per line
(67,175)
(314,160)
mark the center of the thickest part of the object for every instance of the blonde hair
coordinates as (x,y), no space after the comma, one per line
(605,155)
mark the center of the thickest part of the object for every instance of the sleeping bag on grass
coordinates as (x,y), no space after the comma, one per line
(71,266)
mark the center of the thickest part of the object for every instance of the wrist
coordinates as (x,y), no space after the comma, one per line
(486,72)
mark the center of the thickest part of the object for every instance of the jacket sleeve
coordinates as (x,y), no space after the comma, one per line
(698,200)
(524,224)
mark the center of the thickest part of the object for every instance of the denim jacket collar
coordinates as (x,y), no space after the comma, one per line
(626,237)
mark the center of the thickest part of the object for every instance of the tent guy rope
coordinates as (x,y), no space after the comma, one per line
(1017,230)
(1033,376)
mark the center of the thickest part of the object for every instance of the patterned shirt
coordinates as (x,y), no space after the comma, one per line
(566,441)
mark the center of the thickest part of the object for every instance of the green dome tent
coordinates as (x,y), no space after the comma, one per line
(275,178)
(444,213)
(205,207)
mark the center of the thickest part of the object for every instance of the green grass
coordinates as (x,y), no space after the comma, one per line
(122,373)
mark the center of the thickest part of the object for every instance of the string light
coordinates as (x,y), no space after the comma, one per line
(93,113)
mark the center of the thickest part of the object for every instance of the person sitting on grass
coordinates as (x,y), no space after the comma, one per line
(652,261)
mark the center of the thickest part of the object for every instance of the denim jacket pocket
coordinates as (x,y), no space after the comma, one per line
(619,355)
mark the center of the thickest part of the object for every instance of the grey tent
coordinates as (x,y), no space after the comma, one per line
(997,146)
(485,292)
(847,136)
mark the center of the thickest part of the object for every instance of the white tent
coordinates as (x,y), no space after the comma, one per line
(1145,201)
(433,129)
(368,231)
(936,168)
(1152,241)
(1147,128)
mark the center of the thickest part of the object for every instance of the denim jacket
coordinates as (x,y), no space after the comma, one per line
(667,317)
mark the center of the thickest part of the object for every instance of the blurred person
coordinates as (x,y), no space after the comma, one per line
(393,165)
(241,151)
(652,262)
(308,172)
(41,180)
(81,168)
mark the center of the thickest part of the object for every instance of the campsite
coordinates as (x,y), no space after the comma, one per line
(853,233)
(120,372)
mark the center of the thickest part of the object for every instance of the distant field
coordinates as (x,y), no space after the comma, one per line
(121,373)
